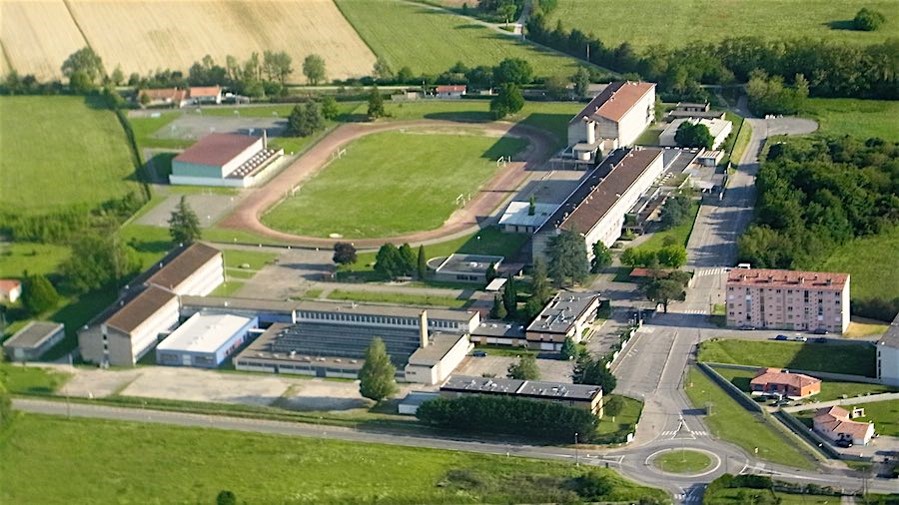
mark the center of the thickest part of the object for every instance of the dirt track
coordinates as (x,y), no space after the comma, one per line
(246,215)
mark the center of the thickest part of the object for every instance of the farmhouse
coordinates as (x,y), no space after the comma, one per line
(567,315)
(224,159)
(792,385)
(36,338)
(597,207)
(523,217)
(579,396)
(718,128)
(836,424)
(888,355)
(166,97)
(329,339)
(613,119)
(205,95)
(10,290)
(788,300)
(465,267)
(204,340)
(450,91)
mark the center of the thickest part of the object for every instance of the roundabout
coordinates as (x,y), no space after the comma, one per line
(686,462)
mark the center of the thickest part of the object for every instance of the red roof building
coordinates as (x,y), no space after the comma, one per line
(776,381)
(835,423)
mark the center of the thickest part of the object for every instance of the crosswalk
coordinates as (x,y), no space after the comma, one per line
(673,433)
(703,272)
(704,312)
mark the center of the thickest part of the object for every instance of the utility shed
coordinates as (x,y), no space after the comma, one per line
(36,338)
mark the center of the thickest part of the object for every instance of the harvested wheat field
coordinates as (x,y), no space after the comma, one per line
(144,36)
(38,36)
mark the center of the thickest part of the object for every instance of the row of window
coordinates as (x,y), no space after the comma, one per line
(371,319)
(805,293)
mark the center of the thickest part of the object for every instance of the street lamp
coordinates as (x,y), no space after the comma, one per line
(576,459)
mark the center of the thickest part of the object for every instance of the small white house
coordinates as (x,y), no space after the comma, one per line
(451,91)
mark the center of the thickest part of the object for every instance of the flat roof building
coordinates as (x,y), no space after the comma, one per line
(495,332)
(204,340)
(888,355)
(267,311)
(719,129)
(518,217)
(788,300)
(694,110)
(580,396)
(567,315)
(32,341)
(465,267)
(224,159)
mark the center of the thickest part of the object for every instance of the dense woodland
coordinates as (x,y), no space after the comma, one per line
(814,196)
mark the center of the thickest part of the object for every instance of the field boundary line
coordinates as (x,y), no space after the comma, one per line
(78,26)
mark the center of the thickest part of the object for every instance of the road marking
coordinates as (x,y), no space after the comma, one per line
(703,272)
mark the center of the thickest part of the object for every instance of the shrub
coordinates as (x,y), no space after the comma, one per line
(868,20)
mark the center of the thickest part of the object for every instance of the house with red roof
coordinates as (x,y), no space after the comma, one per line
(10,290)
(792,385)
(451,91)
(836,424)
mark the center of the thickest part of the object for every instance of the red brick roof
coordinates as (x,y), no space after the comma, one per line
(7,285)
(216,149)
(174,95)
(836,420)
(451,88)
(786,279)
(775,376)
(615,100)
(205,91)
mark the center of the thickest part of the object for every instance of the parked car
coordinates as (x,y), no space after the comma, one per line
(747,327)
(781,337)
(820,331)
(479,354)
(844,443)
(820,340)
(800,338)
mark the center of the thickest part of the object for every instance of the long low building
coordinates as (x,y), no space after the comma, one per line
(36,338)
(581,396)
(204,340)
(596,209)
(567,315)
(225,159)
(719,129)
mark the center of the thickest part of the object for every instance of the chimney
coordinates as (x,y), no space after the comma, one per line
(591,132)
(423,328)
(264,139)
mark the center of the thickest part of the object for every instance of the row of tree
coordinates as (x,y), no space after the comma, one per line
(668,256)
(393,262)
(832,69)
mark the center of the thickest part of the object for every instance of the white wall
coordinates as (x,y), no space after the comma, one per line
(144,337)
(186,180)
(244,155)
(204,280)
(637,119)
(888,364)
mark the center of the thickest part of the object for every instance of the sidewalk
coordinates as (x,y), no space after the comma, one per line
(882,397)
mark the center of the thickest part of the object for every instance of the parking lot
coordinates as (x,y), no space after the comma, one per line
(498,366)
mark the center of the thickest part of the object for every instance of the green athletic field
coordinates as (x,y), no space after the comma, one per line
(391,183)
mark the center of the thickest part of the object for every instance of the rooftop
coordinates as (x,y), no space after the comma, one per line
(33,334)
(776,376)
(614,101)
(836,420)
(262,350)
(440,344)
(716,127)
(384,310)
(786,279)
(543,389)
(468,263)
(204,333)
(418,397)
(518,214)
(7,285)
(482,384)
(449,88)
(495,328)
(216,149)
(183,265)
(891,337)
(204,91)
(559,315)
(250,304)
(132,314)
(520,388)
(170,94)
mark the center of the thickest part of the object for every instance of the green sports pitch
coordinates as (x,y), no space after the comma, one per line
(392,183)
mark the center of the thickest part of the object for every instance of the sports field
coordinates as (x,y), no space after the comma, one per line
(166,464)
(678,22)
(391,183)
(58,152)
(431,41)
(857,118)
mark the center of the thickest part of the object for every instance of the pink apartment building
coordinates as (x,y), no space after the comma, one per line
(788,300)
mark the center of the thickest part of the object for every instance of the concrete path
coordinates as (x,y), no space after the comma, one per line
(855,400)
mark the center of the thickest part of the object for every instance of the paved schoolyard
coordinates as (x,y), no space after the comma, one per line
(497,366)
(193,125)
(209,208)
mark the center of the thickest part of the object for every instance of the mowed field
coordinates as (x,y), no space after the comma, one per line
(38,36)
(857,118)
(676,22)
(143,35)
(391,183)
(431,41)
(57,152)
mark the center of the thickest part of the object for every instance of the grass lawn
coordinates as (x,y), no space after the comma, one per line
(873,264)
(397,298)
(858,329)
(62,141)
(885,416)
(17,257)
(30,380)
(227,288)
(855,359)
(261,468)
(680,233)
(625,421)
(830,390)
(730,421)
(858,118)
(737,141)
(682,461)
(429,41)
(741,496)
(255,260)
(145,127)
(676,23)
(397,183)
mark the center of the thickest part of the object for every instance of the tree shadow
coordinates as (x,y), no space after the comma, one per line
(843,24)
(506,146)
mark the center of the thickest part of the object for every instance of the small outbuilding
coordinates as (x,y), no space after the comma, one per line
(32,341)
(718,128)
(451,91)
(408,406)
(10,290)
(465,267)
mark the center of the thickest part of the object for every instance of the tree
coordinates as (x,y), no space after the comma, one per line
(868,20)
(422,262)
(513,71)
(377,379)
(581,80)
(98,261)
(602,257)
(613,406)
(405,75)
(38,294)
(540,288)
(567,258)
(117,76)
(329,107)
(6,412)
(499,310)
(508,101)
(672,256)
(532,308)
(375,104)
(305,120)
(314,69)
(557,87)
(409,259)
(690,134)
(278,66)
(510,296)
(382,70)
(675,211)
(594,372)
(569,349)
(389,261)
(532,205)
(664,291)
(84,69)
(184,225)
(226,497)
(344,253)
(526,369)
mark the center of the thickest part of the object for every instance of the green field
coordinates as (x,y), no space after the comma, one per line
(17,257)
(830,390)
(732,422)
(682,461)
(166,464)
(429,41)
(676,23)
(391,183)
(680,233)
(30,380)
(854,359)
(623,423)
(58,152)
(397,298)
(741,496)
(885,416)
(857,118)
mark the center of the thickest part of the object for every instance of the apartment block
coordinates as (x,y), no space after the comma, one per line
(788,300)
